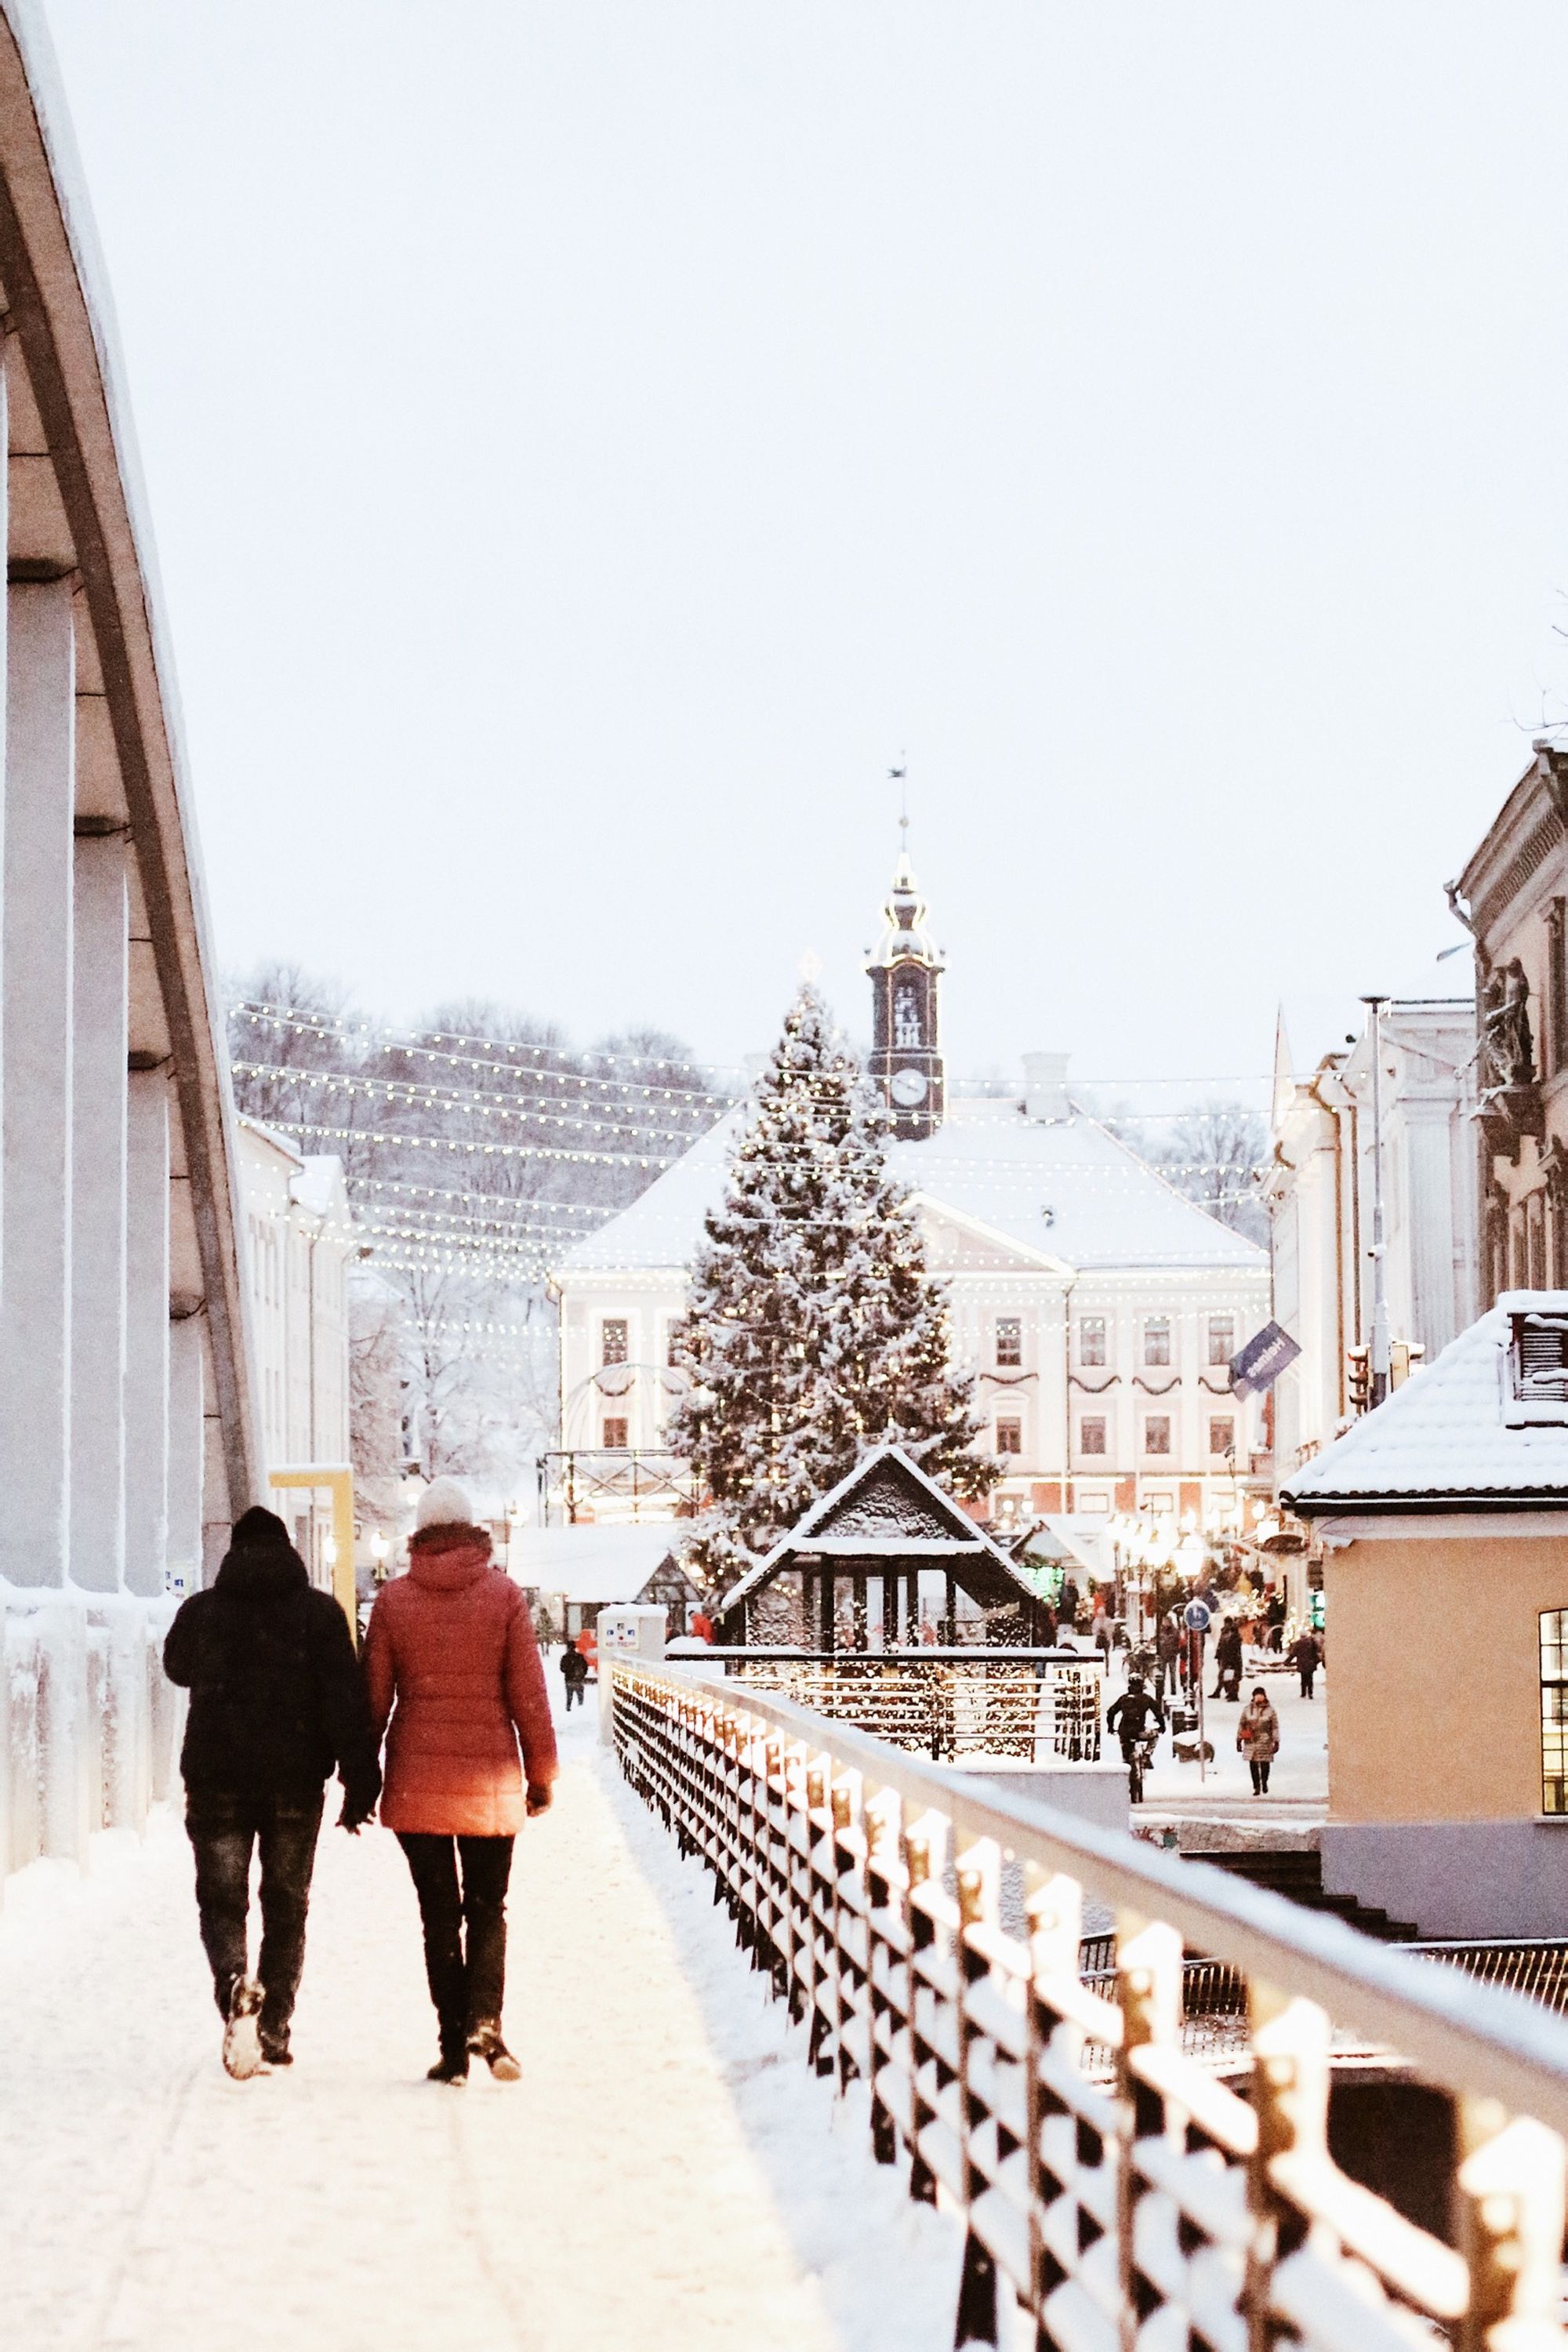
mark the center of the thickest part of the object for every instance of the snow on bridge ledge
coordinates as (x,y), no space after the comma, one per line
(668,2172)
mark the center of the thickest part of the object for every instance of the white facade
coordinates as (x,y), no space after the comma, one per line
(299,1240)
(1097,1308)
(1319,1198)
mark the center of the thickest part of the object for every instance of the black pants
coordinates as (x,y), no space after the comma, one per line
(223,1831)
(1308,1675)
(573,1696)
(465,1927)
(1260,1778)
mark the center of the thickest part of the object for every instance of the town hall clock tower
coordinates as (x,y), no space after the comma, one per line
(906,1045)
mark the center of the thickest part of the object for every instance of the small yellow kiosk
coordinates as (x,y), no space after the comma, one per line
(337,1479)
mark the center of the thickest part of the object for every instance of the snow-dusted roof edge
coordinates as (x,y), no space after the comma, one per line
(799,1536)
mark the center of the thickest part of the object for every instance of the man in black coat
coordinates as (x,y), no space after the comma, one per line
(278,1704)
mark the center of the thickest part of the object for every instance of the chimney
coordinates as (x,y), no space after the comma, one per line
(1046,1087)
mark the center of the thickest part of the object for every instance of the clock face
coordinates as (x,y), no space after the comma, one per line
(909,1088)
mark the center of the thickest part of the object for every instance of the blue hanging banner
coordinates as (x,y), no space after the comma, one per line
(1259,1364)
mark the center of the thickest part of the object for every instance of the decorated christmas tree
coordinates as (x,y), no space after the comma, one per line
(814,1329)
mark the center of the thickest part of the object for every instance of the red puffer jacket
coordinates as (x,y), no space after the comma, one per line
(450,1643)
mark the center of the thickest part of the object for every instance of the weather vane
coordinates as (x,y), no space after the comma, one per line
(900,776)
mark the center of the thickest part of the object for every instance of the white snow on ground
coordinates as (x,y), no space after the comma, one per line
(668,2173)
(1299,1781)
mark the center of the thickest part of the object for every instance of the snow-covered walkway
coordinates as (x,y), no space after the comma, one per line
(668,2173)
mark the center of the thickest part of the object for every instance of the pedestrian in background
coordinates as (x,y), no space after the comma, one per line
(276,1706)
(1227,1660)
(574,1674)
(455,1684)
(1167,1650)
(1257,1738)
(1305,1655)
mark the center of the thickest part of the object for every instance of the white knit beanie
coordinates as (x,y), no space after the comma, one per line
(446,1503)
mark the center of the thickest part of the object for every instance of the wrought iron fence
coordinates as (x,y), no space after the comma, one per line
(1149,2205)
(1035,1705)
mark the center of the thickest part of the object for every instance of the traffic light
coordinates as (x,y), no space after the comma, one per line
(1404,1358)
(1358,1372)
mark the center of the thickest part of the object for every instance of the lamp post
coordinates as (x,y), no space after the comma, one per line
(378,1551)
(1380,1347)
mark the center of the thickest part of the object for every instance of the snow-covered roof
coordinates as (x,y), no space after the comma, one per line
(988,1164)
(887,1507)
(591,1563)
(1444,1438)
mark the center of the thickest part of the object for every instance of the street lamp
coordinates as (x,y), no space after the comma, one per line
(378,1551)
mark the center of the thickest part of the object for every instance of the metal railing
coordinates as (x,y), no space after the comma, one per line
(1034,1704)
(1150,2205)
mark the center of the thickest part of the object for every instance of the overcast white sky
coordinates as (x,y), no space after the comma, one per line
(588,442)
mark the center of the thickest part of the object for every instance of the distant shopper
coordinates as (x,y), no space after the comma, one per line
(701,1625)
(574,1674)
(1273,1618)
(1305,1656)
(1066,1605)
(1227,1660)
(1257,1738)
(453,1668)
(1167,1651)
(276,1706)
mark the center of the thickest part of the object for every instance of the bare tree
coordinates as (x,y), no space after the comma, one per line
(1213,1155)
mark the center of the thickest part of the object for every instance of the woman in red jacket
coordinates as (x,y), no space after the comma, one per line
(451,1659)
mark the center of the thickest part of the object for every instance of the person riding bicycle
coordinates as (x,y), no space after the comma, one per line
(1128,1718)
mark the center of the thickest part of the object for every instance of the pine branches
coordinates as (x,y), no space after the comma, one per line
(814,1329)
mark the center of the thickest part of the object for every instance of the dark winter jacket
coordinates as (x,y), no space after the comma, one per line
(277,1703)
(573,1666)
(1128,1717)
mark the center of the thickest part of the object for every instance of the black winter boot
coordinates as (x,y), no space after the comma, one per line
(452,2066)
(485,2041)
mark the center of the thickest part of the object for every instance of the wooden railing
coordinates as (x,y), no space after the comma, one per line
(1040,1705)
(928,1937)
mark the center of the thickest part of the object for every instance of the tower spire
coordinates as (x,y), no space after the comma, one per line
(906,1060)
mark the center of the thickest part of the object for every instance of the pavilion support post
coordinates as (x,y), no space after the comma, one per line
(827,1599)
(950,1616)
(890,1609)
(861,1637)
(912,1609)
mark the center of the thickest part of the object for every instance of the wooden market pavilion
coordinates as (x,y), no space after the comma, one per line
(847,1575)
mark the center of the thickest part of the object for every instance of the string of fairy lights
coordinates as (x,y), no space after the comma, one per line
(616,1114)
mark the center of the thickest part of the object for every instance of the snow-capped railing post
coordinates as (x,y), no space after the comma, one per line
(1109,2180)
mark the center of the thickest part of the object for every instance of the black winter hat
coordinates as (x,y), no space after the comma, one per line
(260,1530)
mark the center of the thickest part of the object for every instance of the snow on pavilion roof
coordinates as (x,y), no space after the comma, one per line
(1443,1439)
(987,1163)
(888,1509)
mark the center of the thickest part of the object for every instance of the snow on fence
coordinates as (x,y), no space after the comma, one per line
(1110,2181)
(91,1726)
(1036,1703)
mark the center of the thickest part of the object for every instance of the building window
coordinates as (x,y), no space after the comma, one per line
(1157,1339)
(1091,1339)
(1009,1340)
(1009,1433)
(613,1339)
(1091,1433)
(1221,1338)
(1221,1435)
(615,1430)
(1554,1710)
(1157,1432)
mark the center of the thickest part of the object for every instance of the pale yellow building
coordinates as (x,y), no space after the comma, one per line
(1444,1521)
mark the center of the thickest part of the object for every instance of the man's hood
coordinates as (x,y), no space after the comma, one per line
(261,1573)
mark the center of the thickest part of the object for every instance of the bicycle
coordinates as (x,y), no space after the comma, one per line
(1140,1755)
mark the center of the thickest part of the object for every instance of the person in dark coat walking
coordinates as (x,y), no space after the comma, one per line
(574,1674)
(1305,1655)
(1227,1661)
(276,1706)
